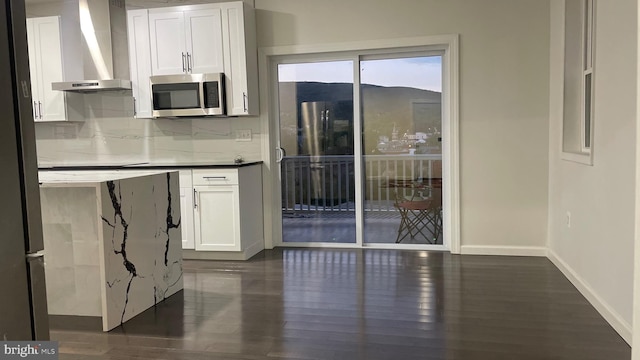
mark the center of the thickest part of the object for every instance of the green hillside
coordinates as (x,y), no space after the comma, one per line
(410,110)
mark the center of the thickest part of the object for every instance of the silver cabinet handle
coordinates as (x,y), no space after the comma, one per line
(195,198)
(134,107)
(35,109)
(184,68)
(40,109)
(244,101)
(189,68)
(214,177)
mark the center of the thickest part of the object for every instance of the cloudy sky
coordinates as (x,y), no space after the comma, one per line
(419,72)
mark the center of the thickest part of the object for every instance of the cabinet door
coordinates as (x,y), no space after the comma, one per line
(217,218)
(204,41)
(186,217)
(46,44)
(241,67)
(35,87)
(140,61)
(168,54)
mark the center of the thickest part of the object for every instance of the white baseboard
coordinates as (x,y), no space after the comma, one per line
(255,248)
(503,250)
(223,255)
(610,315)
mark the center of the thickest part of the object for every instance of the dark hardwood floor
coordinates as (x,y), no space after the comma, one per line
(362,304)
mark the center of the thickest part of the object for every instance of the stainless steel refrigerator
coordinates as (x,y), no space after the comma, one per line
(23,305)
(326,136)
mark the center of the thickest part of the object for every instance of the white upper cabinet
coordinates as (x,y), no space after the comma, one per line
(45,65)
(241,63)
(168,54)
(185,41)
(204,41)
(140,61)
(198,39)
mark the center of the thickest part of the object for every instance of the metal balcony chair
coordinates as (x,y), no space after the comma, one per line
(420,212)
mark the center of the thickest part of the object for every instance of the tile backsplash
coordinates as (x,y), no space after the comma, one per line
(111,135)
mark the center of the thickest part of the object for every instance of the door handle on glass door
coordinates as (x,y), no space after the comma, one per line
(280,154)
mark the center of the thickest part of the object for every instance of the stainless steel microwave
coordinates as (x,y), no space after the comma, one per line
(188,95)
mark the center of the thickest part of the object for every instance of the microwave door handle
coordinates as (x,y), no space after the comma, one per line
(203,105)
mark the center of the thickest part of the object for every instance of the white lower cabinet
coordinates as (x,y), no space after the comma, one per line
(217,218)
(186,210)
(226,213)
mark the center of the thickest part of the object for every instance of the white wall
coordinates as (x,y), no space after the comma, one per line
(596,252)
(504,47)
(504,90)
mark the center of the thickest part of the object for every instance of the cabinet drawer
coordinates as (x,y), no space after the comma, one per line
(215,177)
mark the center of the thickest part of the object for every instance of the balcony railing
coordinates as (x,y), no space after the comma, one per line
(327,183)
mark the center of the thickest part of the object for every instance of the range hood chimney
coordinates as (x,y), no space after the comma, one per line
(94,40)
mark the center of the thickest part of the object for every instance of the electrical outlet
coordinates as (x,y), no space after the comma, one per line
(568,219)
(243,135)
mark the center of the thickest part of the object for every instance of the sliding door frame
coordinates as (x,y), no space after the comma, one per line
(270,57)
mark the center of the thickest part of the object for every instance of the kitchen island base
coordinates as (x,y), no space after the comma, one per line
(113,243)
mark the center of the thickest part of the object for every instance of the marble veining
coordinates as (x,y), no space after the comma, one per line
(142,245)
(143,253)
(129,225)
(170,223)
(117,213)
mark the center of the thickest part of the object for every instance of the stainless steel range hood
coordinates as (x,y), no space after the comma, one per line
(94,37)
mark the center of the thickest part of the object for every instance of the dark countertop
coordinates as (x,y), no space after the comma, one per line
(149,166)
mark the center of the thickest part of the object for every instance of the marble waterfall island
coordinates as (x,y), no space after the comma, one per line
(112,242)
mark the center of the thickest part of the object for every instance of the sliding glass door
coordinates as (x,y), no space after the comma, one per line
(316,140)
(360,143)
(401,102)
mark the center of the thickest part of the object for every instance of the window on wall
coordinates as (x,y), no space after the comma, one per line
(577,137)
(587,75)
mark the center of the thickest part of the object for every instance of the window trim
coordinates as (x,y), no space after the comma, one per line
(585,154)
(588,36)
